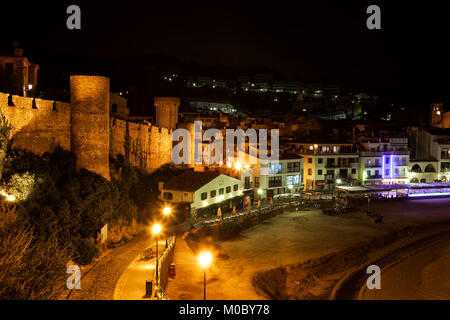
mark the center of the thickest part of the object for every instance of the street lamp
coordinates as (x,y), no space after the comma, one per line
(204,259)
(166,212)
(156,230)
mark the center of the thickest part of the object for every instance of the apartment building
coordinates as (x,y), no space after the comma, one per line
(383,160)
(327,164)
(279,178)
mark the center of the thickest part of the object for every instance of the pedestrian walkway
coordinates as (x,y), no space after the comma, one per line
(188,282)
(131,284)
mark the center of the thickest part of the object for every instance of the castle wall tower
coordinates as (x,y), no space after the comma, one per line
(167,112)
(89,98)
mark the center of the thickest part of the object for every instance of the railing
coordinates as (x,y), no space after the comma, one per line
(164,260)
(273,184)
(381,153)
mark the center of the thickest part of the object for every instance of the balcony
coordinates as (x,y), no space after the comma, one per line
(381,153)
(341,165)
(375,176)
(273,184)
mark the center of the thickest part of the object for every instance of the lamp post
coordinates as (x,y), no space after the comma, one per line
(156,230)
(167,212)
(204,259)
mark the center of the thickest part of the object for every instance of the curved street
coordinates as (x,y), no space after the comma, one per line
(425,275)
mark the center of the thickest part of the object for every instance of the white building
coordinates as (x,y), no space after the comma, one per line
(279,178)
(433,145)
(202,190)
(383,160)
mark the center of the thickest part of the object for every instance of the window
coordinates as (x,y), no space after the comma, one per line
(168,195)
(309,172)
(320,160)
(235,187)
(221,191)
(228,190)
(293,166)
(309,160)
(368,173)
(319,172)
(387,172)
(377,172)
(212,194)
(387,160)
(274,168)
(292,180)
(275,181)
(353,171)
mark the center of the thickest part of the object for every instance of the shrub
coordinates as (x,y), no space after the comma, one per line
(84,251)
(30,268)
(121,231)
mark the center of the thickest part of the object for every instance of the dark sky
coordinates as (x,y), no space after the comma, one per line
(315,39)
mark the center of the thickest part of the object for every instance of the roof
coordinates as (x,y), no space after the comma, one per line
(191,180)
(289,156)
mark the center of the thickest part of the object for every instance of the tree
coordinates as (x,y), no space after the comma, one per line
(5,131)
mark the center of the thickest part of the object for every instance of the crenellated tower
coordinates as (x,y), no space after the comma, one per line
(167,112)
(90,134)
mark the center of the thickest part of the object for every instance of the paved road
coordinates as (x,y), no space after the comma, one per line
(424,275)
(99,283)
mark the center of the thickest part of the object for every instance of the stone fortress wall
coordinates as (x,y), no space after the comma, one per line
(85,127)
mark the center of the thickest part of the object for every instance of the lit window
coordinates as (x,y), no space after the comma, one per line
(290,180)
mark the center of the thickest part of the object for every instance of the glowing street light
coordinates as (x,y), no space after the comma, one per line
(156,230)
(167,210)
(204,260)
(238,166)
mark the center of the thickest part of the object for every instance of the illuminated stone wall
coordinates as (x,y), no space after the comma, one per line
(89,99)
(142,144)
(39,128)
(85,127)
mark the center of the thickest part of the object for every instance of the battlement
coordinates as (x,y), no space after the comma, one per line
(85,126)
(38,125)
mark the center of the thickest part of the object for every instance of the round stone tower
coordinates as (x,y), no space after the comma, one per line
(90,133)
(167,112)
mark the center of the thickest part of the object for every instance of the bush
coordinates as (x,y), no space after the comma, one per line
(30,267)
(121,231)
(84,251)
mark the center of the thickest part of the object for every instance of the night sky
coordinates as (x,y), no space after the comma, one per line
(316,40)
